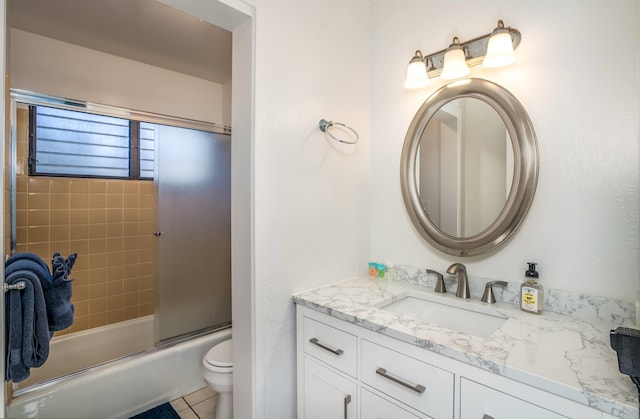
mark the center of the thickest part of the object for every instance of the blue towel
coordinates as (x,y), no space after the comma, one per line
(60,310)
(56,288)
(27,342)
(26,256)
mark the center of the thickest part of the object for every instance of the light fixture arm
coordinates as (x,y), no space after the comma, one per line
(474,50)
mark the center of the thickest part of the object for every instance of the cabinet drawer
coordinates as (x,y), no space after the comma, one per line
(480,401)
(332,346)
(373,406)
(424,387)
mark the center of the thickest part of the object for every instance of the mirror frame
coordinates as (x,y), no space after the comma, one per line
(525,167)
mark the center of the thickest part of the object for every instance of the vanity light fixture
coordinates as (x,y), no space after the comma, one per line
(494,49)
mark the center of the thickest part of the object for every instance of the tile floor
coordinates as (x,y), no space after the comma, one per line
(198,405)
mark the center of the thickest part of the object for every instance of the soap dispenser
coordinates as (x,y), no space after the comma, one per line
(531,293)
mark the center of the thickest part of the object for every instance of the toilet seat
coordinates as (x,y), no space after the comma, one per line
(220,357)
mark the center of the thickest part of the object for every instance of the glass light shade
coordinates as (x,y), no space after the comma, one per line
(455,65)
(499,50)
(416,75)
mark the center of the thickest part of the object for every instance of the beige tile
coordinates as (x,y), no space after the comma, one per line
(38,184)
(98,231)
(115,258)
(146,187)
(97,216)
(79,201)
(199,395)
(97,261)
(38,234)
(60,216)
(206,409)
(97,201)
(98,276)
(115,289)
(79,231)
(60,185)
(97,305)
(97,320)
(60,201)
(115,302)
(130,187)
(97,186)
(38,218)
(131,312)
(38,200)
(114,215)
(187,414)
(79,216)
(179,404)
(131,300)
(97,245)
(115,187)
(79,185)
(97,292)
(59,233)
(114,201)
(114,315)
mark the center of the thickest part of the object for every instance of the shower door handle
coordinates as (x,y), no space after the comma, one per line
(158,233)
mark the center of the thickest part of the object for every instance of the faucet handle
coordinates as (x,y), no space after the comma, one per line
(487,296)
(440,288)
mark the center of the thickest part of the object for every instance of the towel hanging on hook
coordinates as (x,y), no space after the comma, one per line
(324,126)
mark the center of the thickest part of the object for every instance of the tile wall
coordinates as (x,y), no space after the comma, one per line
(108,223)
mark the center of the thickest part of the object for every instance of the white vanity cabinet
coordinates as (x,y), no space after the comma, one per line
(327,394)
(349,372)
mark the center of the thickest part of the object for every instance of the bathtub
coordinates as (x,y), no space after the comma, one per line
(120,388)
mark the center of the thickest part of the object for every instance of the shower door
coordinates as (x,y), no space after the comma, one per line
(193,181)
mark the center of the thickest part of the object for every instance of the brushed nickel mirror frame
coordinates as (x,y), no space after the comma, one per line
(525,168)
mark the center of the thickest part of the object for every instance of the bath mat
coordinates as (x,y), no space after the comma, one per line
(164,411)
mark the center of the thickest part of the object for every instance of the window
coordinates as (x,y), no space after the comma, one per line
(81,144)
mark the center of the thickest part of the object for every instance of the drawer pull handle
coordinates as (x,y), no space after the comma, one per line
(347,400)
(485,416)
(316,342)
(417,388)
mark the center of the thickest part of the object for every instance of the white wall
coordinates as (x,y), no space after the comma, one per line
(45,65)
(311,195)
(577,77)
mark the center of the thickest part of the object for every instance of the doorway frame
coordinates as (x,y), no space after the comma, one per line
(238,17)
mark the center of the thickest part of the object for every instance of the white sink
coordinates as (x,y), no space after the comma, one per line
(463,315)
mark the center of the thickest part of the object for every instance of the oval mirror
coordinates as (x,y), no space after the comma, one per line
(469,167)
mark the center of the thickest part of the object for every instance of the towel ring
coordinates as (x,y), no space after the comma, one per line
(324,126)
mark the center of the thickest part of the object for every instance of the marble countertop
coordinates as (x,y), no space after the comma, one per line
(561,354)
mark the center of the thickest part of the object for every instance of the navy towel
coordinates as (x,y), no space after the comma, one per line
(34,313)
(27,342)
(60,310)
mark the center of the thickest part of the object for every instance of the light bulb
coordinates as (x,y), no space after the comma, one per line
(416,73)
(455,64)
(500,48)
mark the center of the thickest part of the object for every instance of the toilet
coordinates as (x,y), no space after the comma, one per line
(217,370)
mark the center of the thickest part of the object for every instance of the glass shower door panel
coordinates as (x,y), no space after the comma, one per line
(193,178)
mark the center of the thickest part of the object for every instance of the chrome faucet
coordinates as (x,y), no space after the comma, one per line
(463,284)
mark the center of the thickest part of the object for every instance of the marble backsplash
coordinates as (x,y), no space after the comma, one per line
(589,307)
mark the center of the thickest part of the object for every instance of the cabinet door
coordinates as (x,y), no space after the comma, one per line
(481,402)
(373,406)
(327,395)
